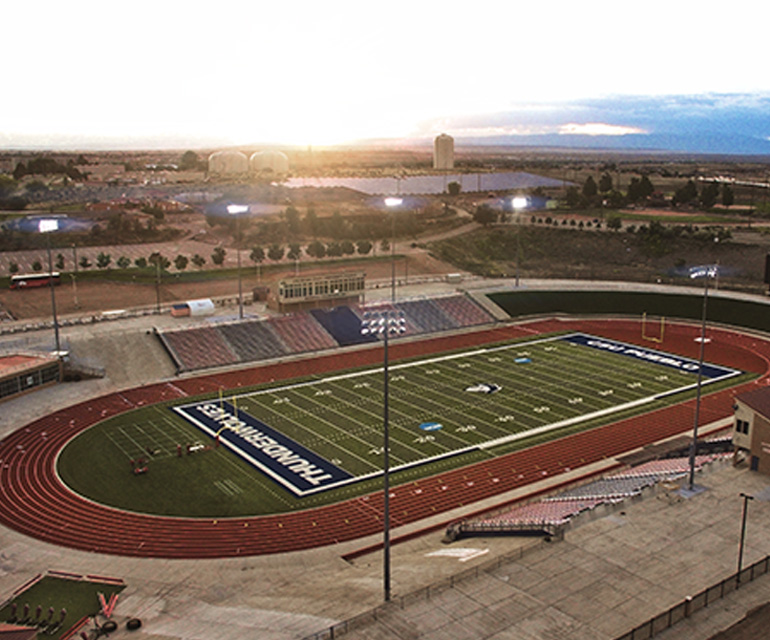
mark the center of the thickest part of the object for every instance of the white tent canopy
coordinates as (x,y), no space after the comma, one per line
(203,307)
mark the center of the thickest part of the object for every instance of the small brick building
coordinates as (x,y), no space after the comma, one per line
(751,427)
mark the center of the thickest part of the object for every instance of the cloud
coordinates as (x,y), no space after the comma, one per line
(598,129)
(737,114)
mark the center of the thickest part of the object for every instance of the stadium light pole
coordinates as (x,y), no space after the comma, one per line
(746,497)
(705,272)
(48,226)
(384,323)
(236,210)
(392,203)
(518,203)
(74,275)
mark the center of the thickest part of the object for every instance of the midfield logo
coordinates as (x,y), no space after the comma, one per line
(484,387)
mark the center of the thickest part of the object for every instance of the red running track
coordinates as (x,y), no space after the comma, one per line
(35,502)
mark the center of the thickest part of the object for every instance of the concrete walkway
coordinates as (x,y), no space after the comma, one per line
(605,577)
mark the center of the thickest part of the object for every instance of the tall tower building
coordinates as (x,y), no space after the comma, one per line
(444,152)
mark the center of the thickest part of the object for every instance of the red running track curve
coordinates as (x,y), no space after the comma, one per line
(36,503)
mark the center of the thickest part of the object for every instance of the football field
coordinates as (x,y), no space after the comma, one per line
(317,435)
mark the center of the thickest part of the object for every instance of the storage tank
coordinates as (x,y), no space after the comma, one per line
(444,152)
(228,163)
(274,161)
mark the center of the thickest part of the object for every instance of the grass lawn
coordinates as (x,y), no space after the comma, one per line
(75,598)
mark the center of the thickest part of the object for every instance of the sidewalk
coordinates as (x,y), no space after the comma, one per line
(605,578)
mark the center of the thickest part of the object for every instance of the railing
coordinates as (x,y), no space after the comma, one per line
(691,604)
(94,317)
(648,629)
(426,593)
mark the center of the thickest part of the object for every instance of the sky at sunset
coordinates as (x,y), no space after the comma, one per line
(88,72)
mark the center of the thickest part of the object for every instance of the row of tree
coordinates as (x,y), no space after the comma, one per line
(291,226)
(641,188)
(708,196)
(47,166)
(275,252)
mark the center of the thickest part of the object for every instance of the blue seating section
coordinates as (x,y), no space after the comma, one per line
(307,331)
(343,325)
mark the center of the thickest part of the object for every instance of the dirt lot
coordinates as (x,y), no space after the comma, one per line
(568,253)
(93,297)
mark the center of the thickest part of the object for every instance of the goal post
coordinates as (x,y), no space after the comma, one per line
(656,330)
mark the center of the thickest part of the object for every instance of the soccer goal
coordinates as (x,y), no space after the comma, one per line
(656,330)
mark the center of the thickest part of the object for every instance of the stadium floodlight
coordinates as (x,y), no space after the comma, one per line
(393,201)
(48,226)
(706,272)
(385,323)
(519,202)
(238,210)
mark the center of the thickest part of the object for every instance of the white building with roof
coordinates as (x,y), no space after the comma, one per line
(274,161)
(228,163)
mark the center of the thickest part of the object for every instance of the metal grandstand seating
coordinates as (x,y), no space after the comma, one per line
(546,512)
(609,488)
(300,332)
(668,468)
(426,317)
(549,514)
(232,343)
(253,340)
(464,310)
(197,348)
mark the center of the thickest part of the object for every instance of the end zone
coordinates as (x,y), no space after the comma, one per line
(292,465)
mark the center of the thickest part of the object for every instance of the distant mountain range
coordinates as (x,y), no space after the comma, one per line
(700,143)
(737,123)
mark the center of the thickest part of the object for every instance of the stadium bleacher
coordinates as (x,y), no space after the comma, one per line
(547,514)
(300,332)
(233,343)
(426,317)
(464,310)
(254,340)
(553,513)
(197,348)
(343,325)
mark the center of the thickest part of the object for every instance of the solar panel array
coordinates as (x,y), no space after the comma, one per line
(431,185)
